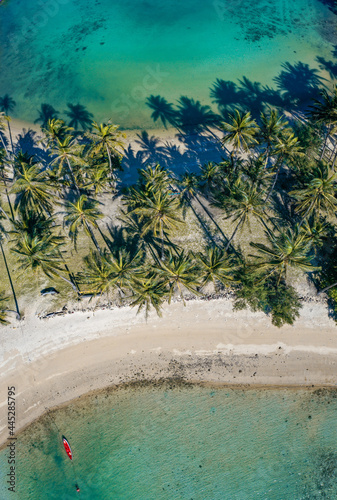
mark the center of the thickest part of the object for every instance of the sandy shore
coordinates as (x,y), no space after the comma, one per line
(51,361)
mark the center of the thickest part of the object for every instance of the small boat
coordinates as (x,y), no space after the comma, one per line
(67,447)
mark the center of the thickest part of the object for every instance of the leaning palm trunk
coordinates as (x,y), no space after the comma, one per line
(73,177)
(10,136)
(307,213)
(198,216)
(328,288)
(234,233)
(90,231)
(4,145)
(9,201)
(110,162)
(70,282)
(212,218)
(162,240)
(325,142)
(274,182)
(10,281)
(335,157)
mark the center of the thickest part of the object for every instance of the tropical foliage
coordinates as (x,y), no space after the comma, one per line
(253,223)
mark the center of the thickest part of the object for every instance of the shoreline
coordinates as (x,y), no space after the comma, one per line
(53,363)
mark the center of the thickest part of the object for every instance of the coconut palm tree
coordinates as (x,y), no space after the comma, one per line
(83,213)
(289,248)
(67,151)
(239,132)
(31,189)
(272,126)
(3,311)
(54,131)
(106,272)
(43,253)
(7,105)
(158,213)
(209,173)
(154,178)
(148,291)
(106,138)
(318,195)
(287,148)
(178,272)
(79,116)
(245,200)
(215,266)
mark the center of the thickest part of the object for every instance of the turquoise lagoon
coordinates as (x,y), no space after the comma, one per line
(111,55)
(183,442)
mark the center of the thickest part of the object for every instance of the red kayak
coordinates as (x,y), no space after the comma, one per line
(67,447)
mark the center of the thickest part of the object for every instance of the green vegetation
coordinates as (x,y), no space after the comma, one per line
(58,227)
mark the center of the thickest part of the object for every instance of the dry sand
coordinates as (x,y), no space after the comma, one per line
(51,361)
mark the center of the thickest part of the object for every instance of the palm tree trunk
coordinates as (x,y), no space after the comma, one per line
(10,136)
(325,142)
(234,233)
(327,288)
(334,160)
(197,216)
(162,240)
(10,281)
(104,238)
(4,145)
(70,282)
(72,176)
(110,163)
(307,213)
(212,218)
(90,231)
(334,151)
(274,183)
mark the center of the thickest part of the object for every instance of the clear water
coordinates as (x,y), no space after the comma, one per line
(180,442)
(111,55)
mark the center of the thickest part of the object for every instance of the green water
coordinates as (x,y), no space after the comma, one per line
(183,442)
(110,55)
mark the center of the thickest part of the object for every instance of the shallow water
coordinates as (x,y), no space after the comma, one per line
(110,56)
(183,442)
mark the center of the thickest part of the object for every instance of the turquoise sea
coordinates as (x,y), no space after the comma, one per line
(172,441)
(111,56)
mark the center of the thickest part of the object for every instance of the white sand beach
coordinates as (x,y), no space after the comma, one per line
(51,361)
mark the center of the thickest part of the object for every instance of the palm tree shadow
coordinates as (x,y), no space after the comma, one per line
(28,142)
(150,147)
(329,66)
(46,112)
(283,208)
(331,4)
(299,84)
(79,116)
